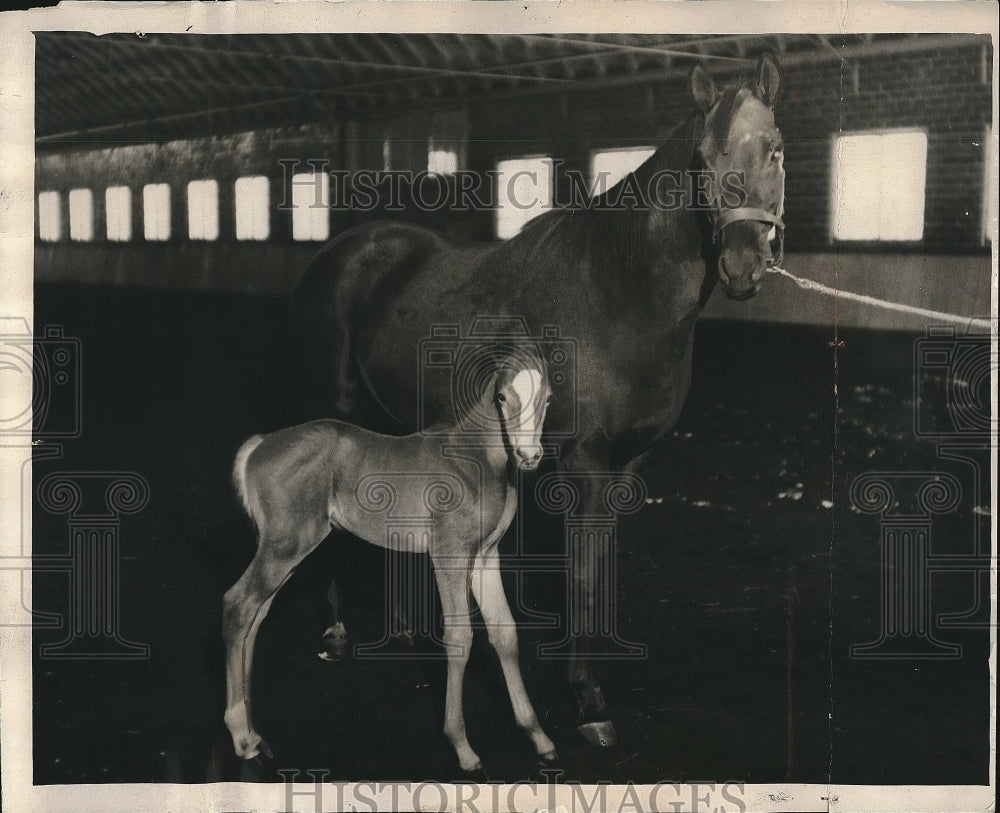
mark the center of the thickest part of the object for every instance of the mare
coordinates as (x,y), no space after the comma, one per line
(455,485)
(625,279)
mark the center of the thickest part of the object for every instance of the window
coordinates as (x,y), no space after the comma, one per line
(878,186)
(608,167)
(253,208)
(118,213)
(81,215)
(524,190)
(310,206)
(49,216)
(440,160)
(203,210)
(156,211)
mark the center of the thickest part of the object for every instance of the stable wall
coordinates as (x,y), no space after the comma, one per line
(957,284)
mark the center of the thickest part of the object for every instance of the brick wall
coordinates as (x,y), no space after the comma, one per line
(945,92)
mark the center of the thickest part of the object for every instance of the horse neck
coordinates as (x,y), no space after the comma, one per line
(675,240)
(489,446)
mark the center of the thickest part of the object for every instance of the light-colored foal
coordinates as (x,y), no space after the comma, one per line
(299,483)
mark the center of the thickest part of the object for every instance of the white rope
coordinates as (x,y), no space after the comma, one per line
(811,285)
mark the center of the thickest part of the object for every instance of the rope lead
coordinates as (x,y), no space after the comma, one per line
(818,287)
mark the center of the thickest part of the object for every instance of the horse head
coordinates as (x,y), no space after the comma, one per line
(741,150)
(521,393)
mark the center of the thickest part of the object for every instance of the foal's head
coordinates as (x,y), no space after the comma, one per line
(522,394)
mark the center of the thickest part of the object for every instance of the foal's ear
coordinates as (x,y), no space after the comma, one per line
(702,88)
(490,390)
(768,78)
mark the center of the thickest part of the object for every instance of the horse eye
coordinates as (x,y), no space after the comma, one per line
(501,398)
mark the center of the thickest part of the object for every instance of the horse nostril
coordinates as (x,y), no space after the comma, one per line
(723,271)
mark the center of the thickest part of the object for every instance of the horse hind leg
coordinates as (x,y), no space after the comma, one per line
(245,605)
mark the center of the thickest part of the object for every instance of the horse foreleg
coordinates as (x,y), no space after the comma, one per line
(452,579)
(245,606)
(335,639)
(487,587)
(589,592)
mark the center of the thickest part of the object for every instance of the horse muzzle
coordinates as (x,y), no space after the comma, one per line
(741,286)
(742,272)
(528,457)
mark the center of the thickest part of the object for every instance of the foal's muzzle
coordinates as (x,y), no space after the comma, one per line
(528,458)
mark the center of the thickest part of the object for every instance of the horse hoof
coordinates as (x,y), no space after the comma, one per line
(477,774)
(265,749)
(600,733)
(548,756)
(590,700)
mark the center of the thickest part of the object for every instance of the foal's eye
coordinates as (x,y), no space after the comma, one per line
(501,398)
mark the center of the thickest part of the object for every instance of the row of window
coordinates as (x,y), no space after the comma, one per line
(878,184)
(529,181)
(877,194)
(252,210)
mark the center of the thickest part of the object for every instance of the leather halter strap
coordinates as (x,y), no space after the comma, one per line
(724,217)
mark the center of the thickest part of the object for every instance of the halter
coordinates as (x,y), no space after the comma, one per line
(725,109)
(724,217)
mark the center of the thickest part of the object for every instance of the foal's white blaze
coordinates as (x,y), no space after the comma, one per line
(524,434)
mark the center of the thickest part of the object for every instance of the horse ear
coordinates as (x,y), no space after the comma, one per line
(701,86)
(768,81)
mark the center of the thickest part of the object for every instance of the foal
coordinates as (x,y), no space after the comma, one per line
(299,483)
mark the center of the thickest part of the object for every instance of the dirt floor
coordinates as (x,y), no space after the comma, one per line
(748,574)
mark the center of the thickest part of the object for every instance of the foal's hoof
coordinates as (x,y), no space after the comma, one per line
(253,746)
(548,756)
(476,775)
(600,733)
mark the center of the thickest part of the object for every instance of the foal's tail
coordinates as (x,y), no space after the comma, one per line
(240,472)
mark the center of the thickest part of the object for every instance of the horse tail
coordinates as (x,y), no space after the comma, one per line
(240,473)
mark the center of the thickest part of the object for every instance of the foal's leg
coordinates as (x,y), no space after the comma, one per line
(452,577)
(487,587)
(245,605)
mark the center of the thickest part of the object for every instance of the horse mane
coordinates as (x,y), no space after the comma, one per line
(601,234)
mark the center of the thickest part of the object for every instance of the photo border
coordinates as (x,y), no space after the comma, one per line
(16,287)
